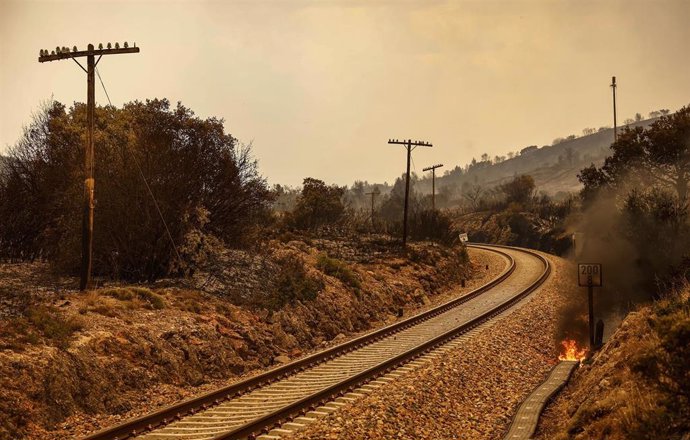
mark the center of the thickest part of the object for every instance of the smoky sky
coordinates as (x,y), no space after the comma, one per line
(319,87)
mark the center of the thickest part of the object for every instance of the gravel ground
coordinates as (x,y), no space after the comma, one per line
(469,393)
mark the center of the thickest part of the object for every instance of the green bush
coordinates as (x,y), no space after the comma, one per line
(292,283)
(338,269)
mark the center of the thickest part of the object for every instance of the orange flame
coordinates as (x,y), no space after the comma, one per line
(571,352)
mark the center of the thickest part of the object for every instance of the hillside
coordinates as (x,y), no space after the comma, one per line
(554,167)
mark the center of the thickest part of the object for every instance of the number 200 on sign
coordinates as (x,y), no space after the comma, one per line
(589,274)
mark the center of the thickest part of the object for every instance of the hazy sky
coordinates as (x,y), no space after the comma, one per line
(319,87)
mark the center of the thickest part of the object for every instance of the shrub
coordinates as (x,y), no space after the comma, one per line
(318,205)
(151,300)
(290,284)
(53,326)
(432,225)
(338,269)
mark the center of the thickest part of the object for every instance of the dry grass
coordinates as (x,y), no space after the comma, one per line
(637,387)
(39,324)
(338,269)
(136,296)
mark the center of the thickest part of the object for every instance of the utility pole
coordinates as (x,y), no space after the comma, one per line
(63,53)
(409,145)
(373,194)
(433,183)
(615,126)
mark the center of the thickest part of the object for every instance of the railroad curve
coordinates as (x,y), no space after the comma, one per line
(284,399)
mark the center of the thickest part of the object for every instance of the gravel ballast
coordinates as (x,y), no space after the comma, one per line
(471,392)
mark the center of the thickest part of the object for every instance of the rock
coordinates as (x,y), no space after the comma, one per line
(282,359)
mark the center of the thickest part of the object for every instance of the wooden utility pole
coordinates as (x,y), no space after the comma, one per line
(409,145)
(615,125)
(373,194)
(63,53)
(433,183)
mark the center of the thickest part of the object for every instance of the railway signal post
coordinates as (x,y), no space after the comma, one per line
(589,275)
(409,145)
(433,183)
(64,53)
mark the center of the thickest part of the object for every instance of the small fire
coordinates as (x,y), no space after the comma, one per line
(571,352)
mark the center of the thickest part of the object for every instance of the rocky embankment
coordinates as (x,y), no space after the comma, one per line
(637,387)
(71,363)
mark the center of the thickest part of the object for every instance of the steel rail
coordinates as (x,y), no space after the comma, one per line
(177,411)
(264,424)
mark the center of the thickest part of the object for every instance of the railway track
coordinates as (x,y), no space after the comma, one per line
(284,399)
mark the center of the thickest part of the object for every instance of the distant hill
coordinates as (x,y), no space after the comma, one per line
(554,167)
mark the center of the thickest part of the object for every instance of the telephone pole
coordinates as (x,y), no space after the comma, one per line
(63,53)
(615,126)
(373,194)
(409,145)
(433,183)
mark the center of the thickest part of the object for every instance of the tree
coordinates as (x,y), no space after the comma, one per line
(200,177)
(656,156)
(318,205)
(473,194)
(638,117)
(629,121)
(393,205)
(520,190)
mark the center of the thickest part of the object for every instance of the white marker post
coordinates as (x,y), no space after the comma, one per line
(589,275)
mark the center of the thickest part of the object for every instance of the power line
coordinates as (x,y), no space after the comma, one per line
(146,183)
(101,80)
